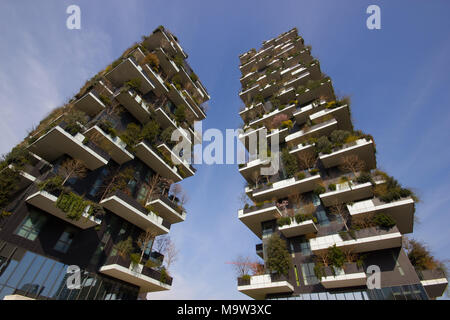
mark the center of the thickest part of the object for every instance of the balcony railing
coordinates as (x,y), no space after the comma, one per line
(434,281)
(351,275)
(259,286)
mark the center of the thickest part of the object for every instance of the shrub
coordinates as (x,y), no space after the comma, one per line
(314,171)
(319,190)
(289,162)
(419,256)
(166,135)
(384,221)
(323,145)
(152,60)
(150,131)
(133,83)
(287,124)
(278,257)
(9,183)
(72,204)
(179,61)
(75,120)
(364,178)
(332,187)
(283,221)
(135,258)
(105,100)
(339,136)
(51,185)
(300,175)
(193,77)
(246,277)
(180,114)
(132,134)
(336,256)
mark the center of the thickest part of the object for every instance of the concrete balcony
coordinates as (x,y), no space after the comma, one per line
(350,276)
(348,192)
(302,114)
(295,229)
(370,239)
(129,209)
(90,104)
(434,282)
(166,63)
(254,216)
(286,186)
(26,175)
(160,87)
(402,211)
(325,89)
(47,202)
(252,168)
(134,103)
(154,160)
(341,114)
(128,70)
(247,94)
(188,170)
(168,210)
(164,120)
(147,279)
(162,38)
(251,135)
(286,95)
(362,148)
(258,287)
(58,142)
(114,146)
(254,108)
(324,128)
(268,117)
(198,110)
(178,98)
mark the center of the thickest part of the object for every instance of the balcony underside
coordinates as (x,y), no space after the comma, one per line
(364,150)
(253,219)
(188,170)
(57,142)
(260,291)
(345,280)
(134,104)
(167,212)
(253,168)
(435,288)
(341,114)
(128,212)
(289,186)
(89,104)
(47,202)
(126,71)
(145,283)
(402,211)
(322,129)
(118,154)
(297,229)
(348,194)
(154,161)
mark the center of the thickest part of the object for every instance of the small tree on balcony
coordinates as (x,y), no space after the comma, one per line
(307,159)
(340,210)
(289,162)
(72,168)
(145,241)
(353,164)
(124,248)
(117,180)
(278,257)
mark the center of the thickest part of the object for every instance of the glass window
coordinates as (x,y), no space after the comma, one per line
(27,283)
(65,240)
(142,193)
(309,277)
(97,184)
(305,248)
(31,226)
(322,217)
(21,269)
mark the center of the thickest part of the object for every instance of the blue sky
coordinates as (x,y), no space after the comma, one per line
(397,78)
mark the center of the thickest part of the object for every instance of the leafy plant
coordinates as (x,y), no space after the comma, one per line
(180,114)
(384,221)
(278,258)
(332,187)
(289,162)
(284,221)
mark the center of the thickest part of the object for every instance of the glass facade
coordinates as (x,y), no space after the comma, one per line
(38,277)
(406,292)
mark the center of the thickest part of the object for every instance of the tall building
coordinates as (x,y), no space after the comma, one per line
(328,218)
(86,198)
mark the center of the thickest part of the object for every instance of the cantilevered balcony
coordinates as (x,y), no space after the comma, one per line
(128,70)
(253,216)
(287,186)
(27,175)
(57,142)
(47,202)
(257,287)
(324,128)
(179,99)
(324,89)
(129,209)
(348,191)
(434,282)
(198,110)
(349,276)
(252,168)
(147,279)
(302,113)
(188,170)
(251,135)
(341,114)
(90,104)
(268,117)
(402,211)
(134,103)
(164,120)
(255,108)
(160,87)
(168,210)
(295,229)
(166,63)
(370,239)
(155,160)
(362,148)
(114,146)
(159,38)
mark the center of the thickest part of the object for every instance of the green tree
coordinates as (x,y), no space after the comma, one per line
(278,257)
(132,134)
(150,131)
(180,114)
(289,162)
